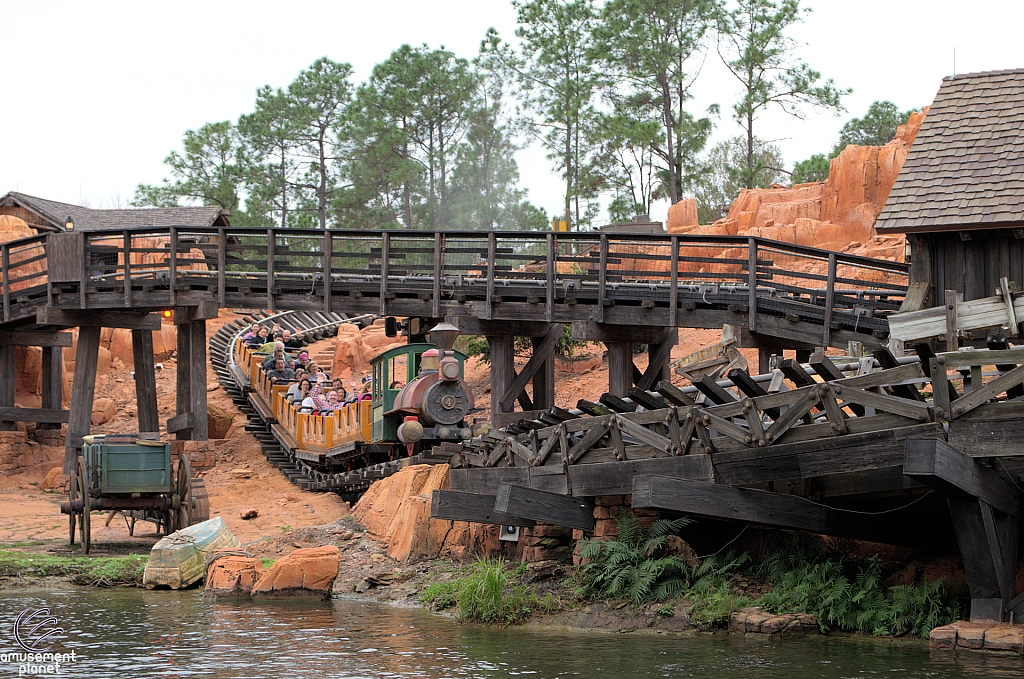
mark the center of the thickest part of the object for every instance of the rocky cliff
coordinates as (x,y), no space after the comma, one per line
(837,214)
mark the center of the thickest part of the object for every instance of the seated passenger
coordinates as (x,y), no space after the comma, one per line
(333,402)
(254,331)
(291,341)
(281,373)
(315,375)
(303,389)
(293,390)
(259,339)
(303,360)
(269,361)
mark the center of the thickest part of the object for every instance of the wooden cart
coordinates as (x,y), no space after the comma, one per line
(133,476)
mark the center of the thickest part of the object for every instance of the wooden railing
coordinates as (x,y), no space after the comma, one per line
(605,277)
(23,266)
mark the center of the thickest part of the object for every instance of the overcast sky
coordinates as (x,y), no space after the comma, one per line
(97,93)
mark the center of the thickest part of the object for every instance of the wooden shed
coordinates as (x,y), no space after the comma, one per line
(960,195)
(50,215)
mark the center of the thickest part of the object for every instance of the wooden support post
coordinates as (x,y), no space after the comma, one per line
(328,257)
(551,508)
(492,247)
(126,248)
(803,356)
(183,377)
(544,352)
(763,361)
(52,382)
(502,369)
(172,266)
(198,380)
(673,284)
(752,283)
(145,380)
(544,378)
(658,357)
(985,509)
(952,341)
(222,262)
(7,372)
(5,265)
(602,282)
(82,391)
(86,272)
(271,254)
(455,505)
(549,310)
(438,272)
(830,296)
(620,368)
(385,256)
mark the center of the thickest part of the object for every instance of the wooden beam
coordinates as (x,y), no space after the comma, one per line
(7,371)
(657,364)
(36,339)
(182,422)
(752,284)
(475,507)
(145,380)
(71,318)
(47,415)
(551,508)
(616,478)
(198,365)
(588,331)
(620,367)
(952,341)
(544,379)
(82,390)
(940,466)
(52,382)
(541,354)
(988,549)
(201,311)
(183,380)
(472,325)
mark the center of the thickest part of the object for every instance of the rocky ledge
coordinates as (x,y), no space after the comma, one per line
(978,636)
(756,621)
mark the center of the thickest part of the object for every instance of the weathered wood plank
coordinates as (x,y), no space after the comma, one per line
(479,508)
(939,465)
(550,508)
(616,478)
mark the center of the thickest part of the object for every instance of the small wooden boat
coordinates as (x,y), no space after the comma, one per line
(179,559)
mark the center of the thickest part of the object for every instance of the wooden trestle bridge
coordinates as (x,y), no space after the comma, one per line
(871,448)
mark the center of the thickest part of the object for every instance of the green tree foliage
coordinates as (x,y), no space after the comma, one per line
(754,46)
(269,140)
(319,96)
(814,169)
(716,190)
(876,128)
(556,74)
(652,50)
(205,173)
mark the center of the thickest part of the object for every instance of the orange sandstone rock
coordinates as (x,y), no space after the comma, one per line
(103,410)
(303,573)
(232,576)
(682,216)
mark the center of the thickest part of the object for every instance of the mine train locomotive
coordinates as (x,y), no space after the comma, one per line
(430,408)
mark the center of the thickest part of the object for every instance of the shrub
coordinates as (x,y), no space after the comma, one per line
(489,593)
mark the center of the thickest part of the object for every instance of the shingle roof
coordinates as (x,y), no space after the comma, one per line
(89,219)
(966,167)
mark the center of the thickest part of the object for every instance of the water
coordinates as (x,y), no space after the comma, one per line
(135,633)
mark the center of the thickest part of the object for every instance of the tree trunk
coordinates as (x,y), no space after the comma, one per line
(666,105)
(322,191)
(284,190)
(749,183)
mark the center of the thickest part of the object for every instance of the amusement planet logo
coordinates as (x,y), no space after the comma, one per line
(32,631)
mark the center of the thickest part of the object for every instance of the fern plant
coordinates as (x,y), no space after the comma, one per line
(634,567)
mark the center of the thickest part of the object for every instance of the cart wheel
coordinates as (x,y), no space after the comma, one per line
(199,508)
(184,492)
(72,496)
(168,519)
(83,489)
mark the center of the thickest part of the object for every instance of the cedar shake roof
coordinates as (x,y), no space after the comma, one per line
(966,167)
(89,219)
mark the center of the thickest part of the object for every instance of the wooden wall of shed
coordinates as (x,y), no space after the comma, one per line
(30,218)
(971,267)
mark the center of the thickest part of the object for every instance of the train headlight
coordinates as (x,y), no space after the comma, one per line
(450,370)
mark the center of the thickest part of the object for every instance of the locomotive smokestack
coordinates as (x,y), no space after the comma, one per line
(443,335)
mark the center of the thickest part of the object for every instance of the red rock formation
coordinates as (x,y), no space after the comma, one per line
(837,214)
(303,573)
(232,575)
(354,348)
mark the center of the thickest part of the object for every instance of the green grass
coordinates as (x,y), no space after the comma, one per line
(490,593)
(107,571)
(267,563)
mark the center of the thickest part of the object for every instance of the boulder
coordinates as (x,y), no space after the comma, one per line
(219,421)
(232,575)
(54,479)
(103,410)
(1005,637)
(306,572)
(942,637)
(682,216)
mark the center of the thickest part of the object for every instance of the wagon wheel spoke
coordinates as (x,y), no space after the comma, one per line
(184,491)
(72,494)
(83,489)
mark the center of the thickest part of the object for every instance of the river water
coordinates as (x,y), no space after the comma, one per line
(135,633)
